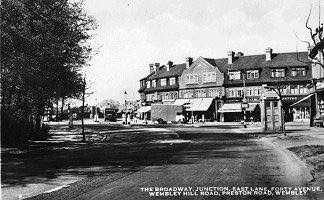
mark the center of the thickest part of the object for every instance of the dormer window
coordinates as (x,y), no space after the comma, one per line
(234,75)
(172,81)
(154,83)
(298,72)
(252,74)
(278,73)
(163,82)
(148,84)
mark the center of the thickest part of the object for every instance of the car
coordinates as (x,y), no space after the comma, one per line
(319,121)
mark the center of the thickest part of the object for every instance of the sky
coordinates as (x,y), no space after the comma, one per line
(131,34)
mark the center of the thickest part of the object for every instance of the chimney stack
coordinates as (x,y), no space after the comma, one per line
(151,65)
(230,56)
(268,52)
(156,66)
(188,62)
(169,65)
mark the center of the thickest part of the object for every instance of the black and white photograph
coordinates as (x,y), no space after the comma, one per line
(162,99)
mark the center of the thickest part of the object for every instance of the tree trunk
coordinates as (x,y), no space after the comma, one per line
(62,106)
(57,110)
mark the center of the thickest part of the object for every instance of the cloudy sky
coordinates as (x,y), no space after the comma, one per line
(134,33)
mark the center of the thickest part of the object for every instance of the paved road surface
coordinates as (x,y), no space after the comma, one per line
(213,158)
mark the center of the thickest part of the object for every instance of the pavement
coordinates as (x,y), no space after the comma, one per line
(187,156)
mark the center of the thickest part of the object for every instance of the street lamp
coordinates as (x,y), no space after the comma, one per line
(96,111)
(244,104)
(125,96)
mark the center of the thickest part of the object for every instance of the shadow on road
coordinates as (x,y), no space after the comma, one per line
(127,151)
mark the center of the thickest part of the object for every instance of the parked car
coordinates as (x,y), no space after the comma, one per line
(319,121)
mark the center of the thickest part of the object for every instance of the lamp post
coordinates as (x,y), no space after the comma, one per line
(125,96)
(96,111)
(244,104)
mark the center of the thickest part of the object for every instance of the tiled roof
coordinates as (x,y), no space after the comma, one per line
(292,59)
(259,61)
(176,70)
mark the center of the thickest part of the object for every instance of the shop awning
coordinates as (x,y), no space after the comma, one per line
(230,107)
(199,104)
(303,99)
(144,109)
(236,107)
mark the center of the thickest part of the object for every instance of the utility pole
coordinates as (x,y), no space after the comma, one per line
(244,103)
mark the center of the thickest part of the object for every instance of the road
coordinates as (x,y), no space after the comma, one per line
(215,157)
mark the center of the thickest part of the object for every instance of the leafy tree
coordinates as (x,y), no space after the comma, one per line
(43,48)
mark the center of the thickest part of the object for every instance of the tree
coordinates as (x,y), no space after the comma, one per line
(109,103)
(44,47)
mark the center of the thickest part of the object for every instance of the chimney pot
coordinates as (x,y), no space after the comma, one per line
(169,65)
(156,66)
(230,56)
(188,62)
(151,65)
(268,52)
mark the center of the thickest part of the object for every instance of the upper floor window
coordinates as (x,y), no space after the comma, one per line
(172,81)
(234,75)
(252,74)
(209,77)
(163,82)
(231,93)
(148,84)
(191,79)
(303,89)
(298,72)
(154,83)
(293,89)
(278,73)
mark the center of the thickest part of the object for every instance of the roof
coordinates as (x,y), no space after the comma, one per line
(292,59)
(175,70)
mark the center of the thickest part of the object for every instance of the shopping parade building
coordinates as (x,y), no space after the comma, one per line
(213,89)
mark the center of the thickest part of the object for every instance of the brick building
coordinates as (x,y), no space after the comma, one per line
(213,89)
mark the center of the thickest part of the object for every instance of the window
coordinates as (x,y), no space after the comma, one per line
(209,77)
(298,72)
(154,83)
(234,75)
(231,93)
(249,92)
(252,74)
(148,84)
(293,89)
(172,81)
(163,82)
(278,73)
(239,92)
(196,78)
(213,93)
(303,89)
(187,79)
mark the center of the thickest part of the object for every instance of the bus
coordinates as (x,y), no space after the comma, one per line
(110,114)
